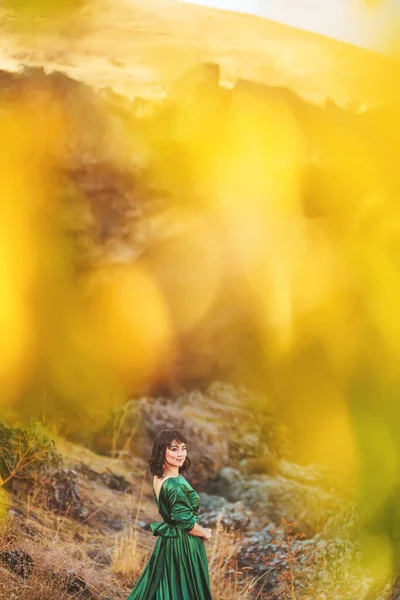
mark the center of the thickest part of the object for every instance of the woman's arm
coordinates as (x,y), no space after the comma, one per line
(200,531)
(182,513)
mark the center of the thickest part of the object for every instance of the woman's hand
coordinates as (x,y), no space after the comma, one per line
(207,534)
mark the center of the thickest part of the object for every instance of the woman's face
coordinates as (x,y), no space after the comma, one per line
(175,455)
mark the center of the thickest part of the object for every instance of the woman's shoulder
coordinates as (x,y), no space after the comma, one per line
(177,481)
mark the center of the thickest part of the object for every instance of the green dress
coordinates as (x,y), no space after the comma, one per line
(177,568)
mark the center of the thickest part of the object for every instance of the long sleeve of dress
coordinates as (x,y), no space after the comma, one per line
(181,510)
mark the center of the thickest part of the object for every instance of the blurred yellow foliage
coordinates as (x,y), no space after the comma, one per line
(297,204)
(44,7)
(131,322)
(22,234)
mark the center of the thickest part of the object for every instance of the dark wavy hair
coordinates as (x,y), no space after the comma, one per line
(162,441)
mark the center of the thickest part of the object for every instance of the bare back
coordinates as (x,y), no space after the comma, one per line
(157,483)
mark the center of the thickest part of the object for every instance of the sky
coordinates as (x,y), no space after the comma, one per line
(358,22)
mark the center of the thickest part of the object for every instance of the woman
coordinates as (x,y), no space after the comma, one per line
(177,568)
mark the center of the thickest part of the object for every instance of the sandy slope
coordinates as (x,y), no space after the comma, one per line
(139,46)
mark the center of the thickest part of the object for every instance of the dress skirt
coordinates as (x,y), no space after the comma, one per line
(177,570)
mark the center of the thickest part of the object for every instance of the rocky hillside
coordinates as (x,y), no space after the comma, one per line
(76,524)
(139,49)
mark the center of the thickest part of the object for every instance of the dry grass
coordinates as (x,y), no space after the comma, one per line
(227,580)
(129,555)
(108,550)
(50,573)
(62,548)
(108,562)
(42,585)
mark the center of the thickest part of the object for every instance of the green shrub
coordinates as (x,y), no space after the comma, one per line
(25,451)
